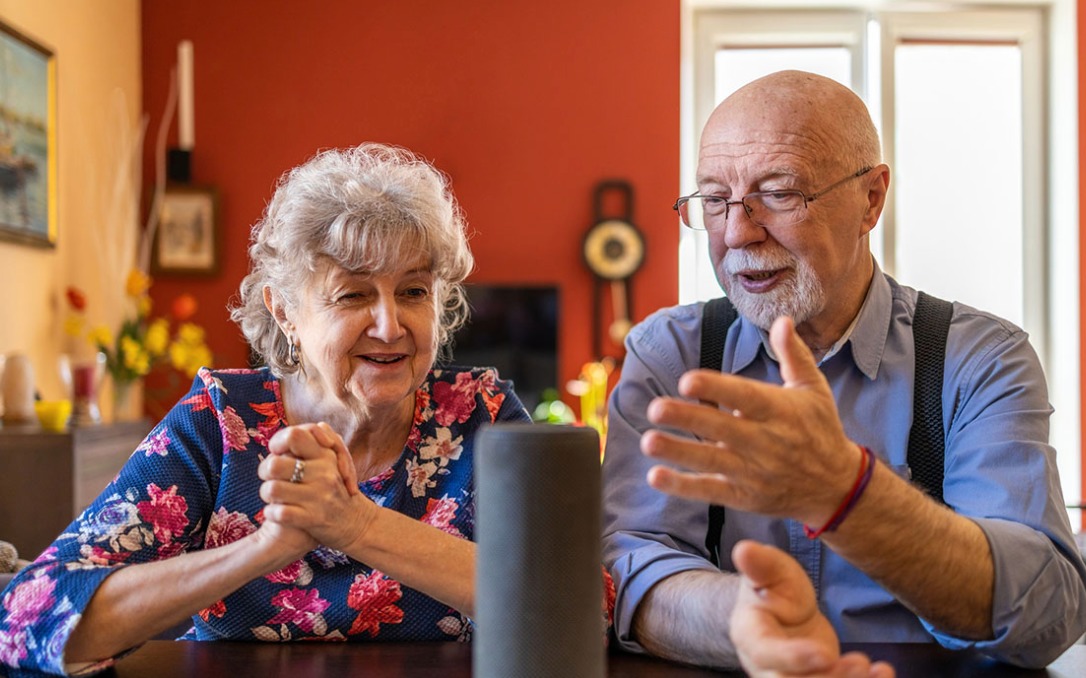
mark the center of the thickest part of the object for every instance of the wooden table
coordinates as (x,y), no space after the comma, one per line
(170,659)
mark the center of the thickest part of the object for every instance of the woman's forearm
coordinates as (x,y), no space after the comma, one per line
(136,602)
(421,556)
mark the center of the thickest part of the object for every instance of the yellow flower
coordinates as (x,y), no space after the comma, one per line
(101,336)
(189,358)
(73,326)
(134,357)
(201,357)
(137,283)
(190,333)
(158,337)
(142,342)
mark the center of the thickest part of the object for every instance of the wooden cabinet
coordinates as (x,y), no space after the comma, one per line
(47,478)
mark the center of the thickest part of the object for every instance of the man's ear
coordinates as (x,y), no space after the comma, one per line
(878,183)
(274,303)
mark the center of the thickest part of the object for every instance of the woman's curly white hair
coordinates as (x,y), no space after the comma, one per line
(366,208)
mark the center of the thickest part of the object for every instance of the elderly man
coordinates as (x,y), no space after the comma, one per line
(801,432)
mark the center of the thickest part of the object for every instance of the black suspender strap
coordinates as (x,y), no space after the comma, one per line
(927,438)
(717,316)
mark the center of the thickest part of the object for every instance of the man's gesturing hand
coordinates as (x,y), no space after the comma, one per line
(774,450)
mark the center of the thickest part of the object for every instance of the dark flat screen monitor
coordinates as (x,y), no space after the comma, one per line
(515,329)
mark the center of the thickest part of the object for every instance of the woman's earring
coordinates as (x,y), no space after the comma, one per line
(292,354)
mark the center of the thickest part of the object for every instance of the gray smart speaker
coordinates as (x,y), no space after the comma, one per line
(538,578)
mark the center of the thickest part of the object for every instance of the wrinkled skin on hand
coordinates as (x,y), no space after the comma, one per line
(775,450)
(776,627)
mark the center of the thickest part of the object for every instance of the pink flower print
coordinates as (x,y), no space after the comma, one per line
(211,382)
(457,625)
(487,380)
(443,447)
(469,384)
(47,556)
(216,610)
(492,395)
(377,483)
(165,512)
(300,607)
(234,434)
(374,597)
(29,599)
(413,438)
(455,403)
(273,386)
(608,599)
(174,548)
(440,513)
(422,402)
(418,477)
(155,443)
(272,421)
(227,527)
(12,646)
(298,572)
(96,555)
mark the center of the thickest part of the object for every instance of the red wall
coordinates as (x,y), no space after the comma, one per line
(525,104)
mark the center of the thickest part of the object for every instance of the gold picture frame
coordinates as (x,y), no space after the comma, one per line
(28,140)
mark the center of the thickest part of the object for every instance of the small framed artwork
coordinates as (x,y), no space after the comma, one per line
(187,239)
(28,140)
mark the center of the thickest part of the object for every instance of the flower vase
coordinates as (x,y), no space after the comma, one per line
(83,379)
(127,400)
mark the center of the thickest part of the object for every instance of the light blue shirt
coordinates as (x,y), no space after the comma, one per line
(1000,472)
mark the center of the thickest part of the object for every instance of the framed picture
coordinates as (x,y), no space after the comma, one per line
(28,140)
(187,239)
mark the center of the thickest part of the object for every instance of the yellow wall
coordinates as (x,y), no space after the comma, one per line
(97,45)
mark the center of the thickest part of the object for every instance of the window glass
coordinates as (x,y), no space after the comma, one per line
(960,101)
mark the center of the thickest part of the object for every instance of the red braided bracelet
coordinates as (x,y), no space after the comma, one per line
(867,467)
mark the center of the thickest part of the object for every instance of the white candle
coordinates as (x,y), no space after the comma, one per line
(186,135)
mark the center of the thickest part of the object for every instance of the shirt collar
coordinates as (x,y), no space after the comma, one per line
(867,333)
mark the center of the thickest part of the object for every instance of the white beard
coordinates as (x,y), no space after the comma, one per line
(800,295)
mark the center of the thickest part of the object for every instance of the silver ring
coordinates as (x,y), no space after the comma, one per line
(299,471)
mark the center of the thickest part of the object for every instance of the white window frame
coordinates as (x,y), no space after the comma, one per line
(1023,27)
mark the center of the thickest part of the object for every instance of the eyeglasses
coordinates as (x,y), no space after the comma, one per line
(765,208)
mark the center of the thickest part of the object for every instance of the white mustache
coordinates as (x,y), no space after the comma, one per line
(736,261)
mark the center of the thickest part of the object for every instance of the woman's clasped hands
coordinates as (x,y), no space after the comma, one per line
(311,490)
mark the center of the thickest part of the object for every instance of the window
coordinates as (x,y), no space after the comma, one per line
(959,96)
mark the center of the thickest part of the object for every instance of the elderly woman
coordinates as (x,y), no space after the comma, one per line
(327,496)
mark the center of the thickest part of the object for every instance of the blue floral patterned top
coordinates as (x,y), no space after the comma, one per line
(192,484)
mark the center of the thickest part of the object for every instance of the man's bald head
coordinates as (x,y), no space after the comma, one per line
(814,110)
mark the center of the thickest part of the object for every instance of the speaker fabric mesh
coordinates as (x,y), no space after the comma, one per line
(538,521)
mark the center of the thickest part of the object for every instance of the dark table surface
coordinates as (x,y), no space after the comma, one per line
(167,659)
